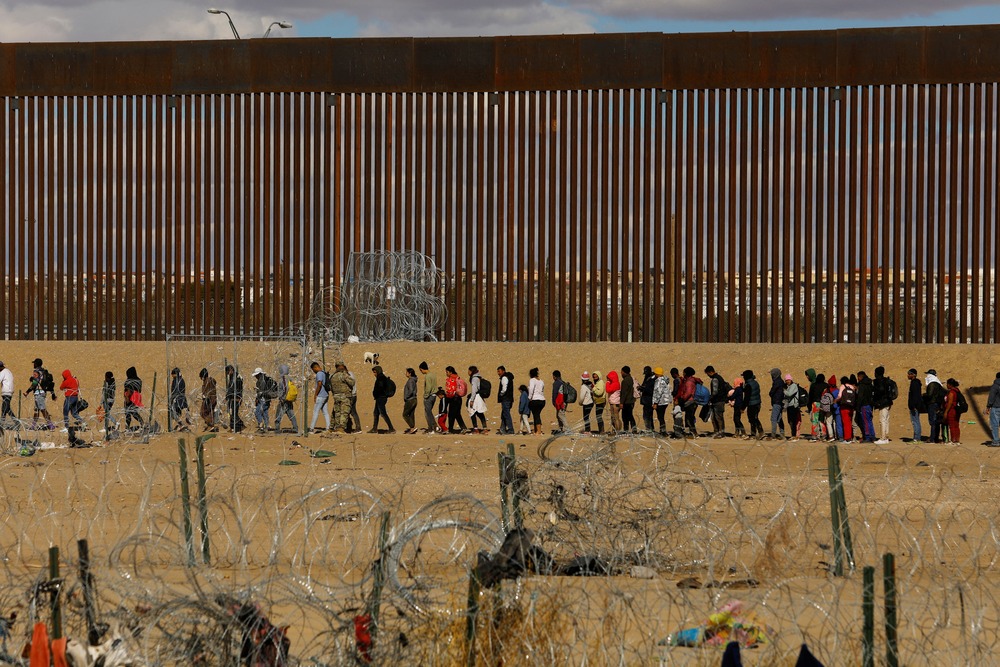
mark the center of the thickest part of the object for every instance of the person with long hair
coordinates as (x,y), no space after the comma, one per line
(453,396)
(613,388)
(536,400)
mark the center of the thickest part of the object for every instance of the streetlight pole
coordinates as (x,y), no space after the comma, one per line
(222,11)
(280,24)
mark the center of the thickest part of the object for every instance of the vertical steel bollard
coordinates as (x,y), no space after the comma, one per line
(891,621)
(56,604)
(868,610)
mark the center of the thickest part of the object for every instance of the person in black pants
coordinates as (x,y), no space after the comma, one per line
(380,393)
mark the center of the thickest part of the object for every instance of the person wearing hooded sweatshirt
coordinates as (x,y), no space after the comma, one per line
(559,401)
(737,400)
(600,392)
(993,407)
(646,397)
(285,407)
(475,403)
(915,402)
(718,390)
(586,399)
(838,427)
(613,387)
(751,392)
(71,391)
(685,399)
(777,396)
(934,395)
(951,414)
(882,402)
(792,409)
(107,403)
(663,396)
(628,400)
(380,392)
(816,390)
(209,400)
(847,398)
(133,398)
(267,389)
(234,399)
(864,411)
(178,400)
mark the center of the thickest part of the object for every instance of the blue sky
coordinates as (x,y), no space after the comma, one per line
(116,20)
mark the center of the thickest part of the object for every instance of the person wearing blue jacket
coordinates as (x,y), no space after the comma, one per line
(524,410)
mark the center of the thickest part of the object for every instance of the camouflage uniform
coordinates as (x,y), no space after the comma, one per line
(341,385)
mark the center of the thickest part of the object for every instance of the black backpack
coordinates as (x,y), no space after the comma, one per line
(848,397)
(569,392)
(48,383)
(272,388)
(485,388)
(327,384)
(961,405)
(893,389)
(390,387)
(803,397)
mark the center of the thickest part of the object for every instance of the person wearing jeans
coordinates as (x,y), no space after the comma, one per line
(914,402)
(430,396)
(321,399)
(993,405)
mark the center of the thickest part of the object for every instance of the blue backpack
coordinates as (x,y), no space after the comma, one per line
(701,394)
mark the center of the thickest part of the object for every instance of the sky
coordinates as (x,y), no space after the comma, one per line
(140,20)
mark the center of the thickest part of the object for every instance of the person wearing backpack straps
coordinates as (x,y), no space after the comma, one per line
(792,410)
(885,393)
(474,401)
(559,401)
(380,392)
(454,395)
(864,411)
(599,391)
(662,398)
(777,396)
(285,406)
(628,400)
(505,397)
(952,413)
(846,398)
(536,400)
(718,390)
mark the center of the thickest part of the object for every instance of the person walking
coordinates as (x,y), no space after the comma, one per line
(662,398)
(951,413)
(410,401)
(381,392)
(37,392)
(685,399)
(737,399)
(132,392)
(718,391)
(209,400)
(629,391)
(455,389)
(536,400)
(915,403)
(505,397)
(108,391)
(430,397)
(6,393)
(882,399)
(993,408)
(934,395)
(751,391)
(474,401)
(777,396)
(791,405)
(71,402)
(321,396)
(524,409)
(646,397)
(817,385)
(341,384)
(559,401)
(266,390)
(353,419)
(600,392)
(177,400)
(613,387)
(234,399)
(837,421)
(286,401)
(827,403)
(586,399)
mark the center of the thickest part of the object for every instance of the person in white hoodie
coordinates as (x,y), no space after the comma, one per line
(6,392)
(934,395)
(586,399)
(476,404)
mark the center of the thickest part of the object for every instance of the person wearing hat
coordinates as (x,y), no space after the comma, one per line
(132,392)
(342,385)
(177,400)
(934,396)
(663,396)
(586,399)
(791,404)
(37,393)
(267,389)
(6,392)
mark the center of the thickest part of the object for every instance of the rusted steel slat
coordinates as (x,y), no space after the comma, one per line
(95,220)
(774,124)
(519,152)
(964,253)
(52,169)
(591,146)
(29,284)
(126,311)
(991,211)
(506,214)
(752,119)
(868,196)
(941,175)
(473,259)
(977,256)
(955,271)
(290,181)
(923,266)
(563,221)
(490,251)
(688,131)
(844,98)
(401,144)
(890,173)
(854,260)
(615,319)
(64,184)
(789,241)
(437,178)
(808,225)
(546,215)
(196,224)
(333,106)
(707,169)
(635,220)
(6,202)
(906,215)
(731,108)
(649,222)
(892,293)
(534,252)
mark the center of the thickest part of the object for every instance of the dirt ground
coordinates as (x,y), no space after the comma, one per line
(771,499)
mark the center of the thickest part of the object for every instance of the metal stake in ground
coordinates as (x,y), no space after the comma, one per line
(186,502)
(202,495)
(56,585)
(868,610)
(891,622)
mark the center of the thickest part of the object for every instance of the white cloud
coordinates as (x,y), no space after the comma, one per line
(755,10)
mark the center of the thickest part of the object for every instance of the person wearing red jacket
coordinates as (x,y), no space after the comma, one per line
(685,399)
(613,390)
(951,412)
(71,406)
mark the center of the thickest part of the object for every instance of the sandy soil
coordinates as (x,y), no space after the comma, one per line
(771,499)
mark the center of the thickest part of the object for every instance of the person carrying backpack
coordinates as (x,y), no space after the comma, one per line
(847,399)
(455,389)
(953,411)
(37,392)
(864,411)
(474,401)
(132,391)
(718,391)
(751,391)
(685,398)
(177,400)
(381,392)
(559,401)
(267,390)
(286,401)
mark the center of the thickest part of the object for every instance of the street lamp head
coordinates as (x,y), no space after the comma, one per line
(284,24)
(213,10)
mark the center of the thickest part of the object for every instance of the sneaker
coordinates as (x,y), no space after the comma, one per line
(993,444)
(391,430)
(883,441)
